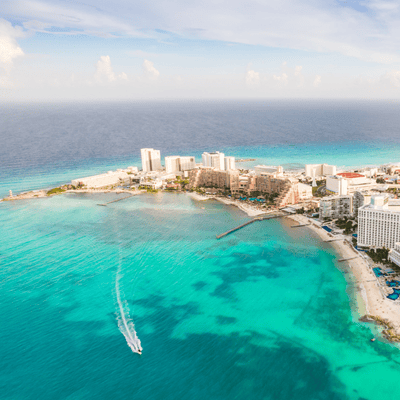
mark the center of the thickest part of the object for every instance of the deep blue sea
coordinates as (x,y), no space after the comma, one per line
(265,313)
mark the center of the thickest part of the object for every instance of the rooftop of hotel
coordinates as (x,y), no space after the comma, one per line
(350,175)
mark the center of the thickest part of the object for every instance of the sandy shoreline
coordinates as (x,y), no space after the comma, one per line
(38,194)
(372,300)
(251,211)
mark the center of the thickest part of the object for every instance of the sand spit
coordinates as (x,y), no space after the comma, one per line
(36,194)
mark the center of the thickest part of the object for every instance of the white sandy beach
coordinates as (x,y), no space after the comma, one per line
(374,301)
(247,208)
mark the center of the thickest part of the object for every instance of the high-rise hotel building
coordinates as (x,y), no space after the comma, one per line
(379,223)
(151,160)
(178,163)
(218,160)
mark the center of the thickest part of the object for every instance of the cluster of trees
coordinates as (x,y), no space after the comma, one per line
(380,180)
(379,255)
(347,225)
(182,182)
(55,191)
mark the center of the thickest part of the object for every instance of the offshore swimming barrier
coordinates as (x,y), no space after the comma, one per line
(125,323)
(114,201)
(262,218)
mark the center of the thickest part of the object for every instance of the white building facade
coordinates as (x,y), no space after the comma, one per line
(268,170)
(378,223)
(111,178)
(394,254)
(360,198)
(305,191)
(151,160)
(337,185)
(314,170)
(175,164)
(215,160)
(336,207)
(229,163)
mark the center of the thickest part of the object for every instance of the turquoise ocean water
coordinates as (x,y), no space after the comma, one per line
(263,314)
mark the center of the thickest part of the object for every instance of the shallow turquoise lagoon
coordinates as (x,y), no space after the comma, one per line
(261,314)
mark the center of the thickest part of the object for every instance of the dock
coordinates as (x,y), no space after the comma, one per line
(347,259)
(300,225)
(114,201)
(259,218)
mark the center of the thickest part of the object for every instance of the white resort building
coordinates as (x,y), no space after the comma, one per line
(151,160)
(229,163)
(379,223)
(175,164)
(261,170)
(336,207)
(314,170)
(111,178)
(214,160)
(218,161)
(394,254)
(336,184)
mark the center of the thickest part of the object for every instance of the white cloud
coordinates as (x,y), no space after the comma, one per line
(317,81)
(297,24)
(283,78)
(9,48)
(123,76)
(391,79)
(297,70)
(252,77)
(149,70)
(104,71)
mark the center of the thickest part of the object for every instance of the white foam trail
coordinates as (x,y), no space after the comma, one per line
(125,323)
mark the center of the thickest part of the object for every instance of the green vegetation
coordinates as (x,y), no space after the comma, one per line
(380,180)
(55,191)
(347,225)
(379,255)
(300,211)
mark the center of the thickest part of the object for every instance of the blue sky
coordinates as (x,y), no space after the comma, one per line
(66,49)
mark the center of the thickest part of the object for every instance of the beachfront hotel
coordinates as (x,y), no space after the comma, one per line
(379,223)
(151,160)
(336,207)
(394,254)
(214,160)
(261,170)
(315,170)
(175,164)
(229,163)
(110,178)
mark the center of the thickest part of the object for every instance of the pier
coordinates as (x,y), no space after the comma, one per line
(347,259)
(260,218)
(333,240)
(300,225)
(114,201)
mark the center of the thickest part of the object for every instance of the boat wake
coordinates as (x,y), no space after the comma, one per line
(125,323)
